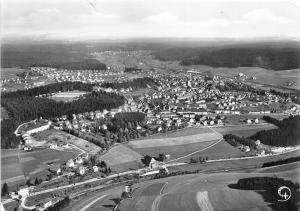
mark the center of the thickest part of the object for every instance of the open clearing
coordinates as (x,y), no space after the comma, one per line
(120,154)
(174,151)
(218,151)
(121,158)
(245,131)
(58,135)
(176,144)
(182,137)
(67,96)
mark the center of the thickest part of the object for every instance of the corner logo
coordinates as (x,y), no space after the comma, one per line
(284,193)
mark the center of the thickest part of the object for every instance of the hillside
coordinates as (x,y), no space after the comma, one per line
(275,56)
(216,191)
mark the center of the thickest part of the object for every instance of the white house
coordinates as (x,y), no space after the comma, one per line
(95,168)
(79,160)
(70,163)
(81,170)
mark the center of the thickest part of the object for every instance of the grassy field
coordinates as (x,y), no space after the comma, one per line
(19,165)
(174,151)
(218,151)
(67,96)
(143,199)
(121,158)
(201,192)
(182,137)
(245,131)
(57,136)
(176,144)
(120,154)
(232,165)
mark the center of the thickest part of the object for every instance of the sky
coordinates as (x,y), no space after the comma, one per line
(151,18)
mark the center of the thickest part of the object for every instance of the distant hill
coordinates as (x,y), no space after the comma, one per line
(272,55)
(88,64)
(275,55)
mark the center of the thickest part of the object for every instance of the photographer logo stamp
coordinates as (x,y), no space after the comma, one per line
(284,193)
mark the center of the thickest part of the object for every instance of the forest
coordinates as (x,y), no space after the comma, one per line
(287,133)
(130,116)
(235,141)
(132,69)
(135,83)
(268,187)
(23,106)
(275,56)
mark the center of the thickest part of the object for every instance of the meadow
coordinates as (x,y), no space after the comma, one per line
(218,151)
(174,141)
(176,144)
(245,131)
(67,96)
(120,154)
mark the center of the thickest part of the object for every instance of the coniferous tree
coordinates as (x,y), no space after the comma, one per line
(4,190)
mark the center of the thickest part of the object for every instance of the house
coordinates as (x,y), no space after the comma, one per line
(70,163)
(247,148)
(81,170)
(58,172)
(79,160)
(95,168)
(154,164)
(257,142)
(24,192)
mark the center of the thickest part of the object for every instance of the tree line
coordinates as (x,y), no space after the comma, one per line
(287,133)
(240,87)
(135,83)
(88,64)
(281,162)
(235,141)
